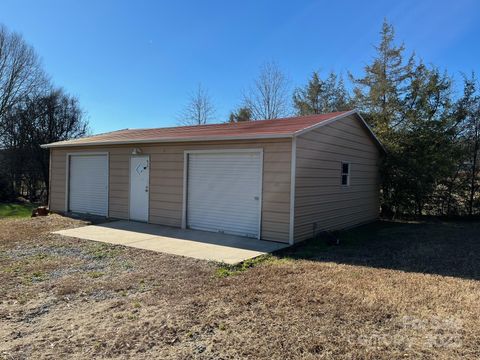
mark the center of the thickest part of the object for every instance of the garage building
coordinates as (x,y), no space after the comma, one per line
(279,180)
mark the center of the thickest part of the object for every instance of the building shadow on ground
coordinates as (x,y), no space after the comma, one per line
(432,247)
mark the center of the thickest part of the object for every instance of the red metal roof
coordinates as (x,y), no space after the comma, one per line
(243,130)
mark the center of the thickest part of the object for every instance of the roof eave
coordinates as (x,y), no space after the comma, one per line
(341,116)
(166,140)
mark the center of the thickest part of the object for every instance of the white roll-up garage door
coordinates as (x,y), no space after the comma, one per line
(88,184)
(224,192)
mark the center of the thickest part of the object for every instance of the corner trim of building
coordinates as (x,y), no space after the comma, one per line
(49,178)
(184,191)
(293,168)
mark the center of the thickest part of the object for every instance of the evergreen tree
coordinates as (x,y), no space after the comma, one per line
(380,93)
(321,96)
(411,109)
(242,114)
(380,96)
(424,153)
(468,109)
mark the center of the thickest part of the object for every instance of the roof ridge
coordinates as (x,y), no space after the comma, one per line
(237,123)
(259,129)
(109,132)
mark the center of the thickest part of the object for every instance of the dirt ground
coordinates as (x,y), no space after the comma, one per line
(390,290)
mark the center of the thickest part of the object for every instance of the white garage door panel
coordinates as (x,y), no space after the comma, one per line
(88,184)
(224,191)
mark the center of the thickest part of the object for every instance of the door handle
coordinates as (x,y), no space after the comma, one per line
(146,188)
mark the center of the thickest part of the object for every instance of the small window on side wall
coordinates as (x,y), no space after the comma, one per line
(345,174)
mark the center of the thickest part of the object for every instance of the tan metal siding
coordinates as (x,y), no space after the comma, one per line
(320,199)
(166,181)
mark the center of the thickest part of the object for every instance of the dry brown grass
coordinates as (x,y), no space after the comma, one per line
(389,291)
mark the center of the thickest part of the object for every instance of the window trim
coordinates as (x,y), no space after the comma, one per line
(348,174)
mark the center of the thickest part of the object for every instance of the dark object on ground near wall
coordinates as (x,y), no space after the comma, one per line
(330,238)
(40,211)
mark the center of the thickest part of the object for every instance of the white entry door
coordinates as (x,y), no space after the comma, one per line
(139,183)
(224,192)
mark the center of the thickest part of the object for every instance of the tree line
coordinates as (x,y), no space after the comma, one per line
(431,131)
(32,112)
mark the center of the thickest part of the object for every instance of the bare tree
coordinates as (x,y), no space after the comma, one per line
(39,119)
(199,110)
(20,71)
(268,98)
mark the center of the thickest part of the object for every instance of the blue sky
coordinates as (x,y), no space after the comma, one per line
(133,63)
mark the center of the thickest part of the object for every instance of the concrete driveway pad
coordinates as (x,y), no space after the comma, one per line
(197,244)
